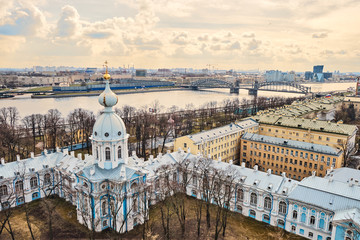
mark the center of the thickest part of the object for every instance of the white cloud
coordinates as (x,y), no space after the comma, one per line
(69,22)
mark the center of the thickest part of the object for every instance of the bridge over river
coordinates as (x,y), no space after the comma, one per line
(280,86)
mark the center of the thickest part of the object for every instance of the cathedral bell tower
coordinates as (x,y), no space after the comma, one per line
(109,138)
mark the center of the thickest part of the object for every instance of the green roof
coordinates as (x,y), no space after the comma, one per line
(315,125)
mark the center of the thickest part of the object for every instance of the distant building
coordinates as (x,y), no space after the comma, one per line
(90,70)
(327,75)
(318,69)
(140,73)
(308,75)
(278,76)
(273,76)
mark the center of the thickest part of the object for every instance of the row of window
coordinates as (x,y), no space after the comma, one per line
(288,167)
(292,153)
(267,201)
(19,185)
(304,135)
(108,153)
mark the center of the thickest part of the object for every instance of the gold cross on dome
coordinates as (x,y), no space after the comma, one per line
(106,66)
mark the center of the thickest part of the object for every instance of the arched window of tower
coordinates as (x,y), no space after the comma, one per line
(107,154)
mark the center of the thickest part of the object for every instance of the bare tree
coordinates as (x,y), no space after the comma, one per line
(7,199)
(346,151)
(53,122)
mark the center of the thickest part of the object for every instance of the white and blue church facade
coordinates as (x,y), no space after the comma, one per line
(106,187)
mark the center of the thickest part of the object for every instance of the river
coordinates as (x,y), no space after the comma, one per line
(27,105)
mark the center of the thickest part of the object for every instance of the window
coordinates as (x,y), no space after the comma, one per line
(266,218)
(103,208)
(253,199)
(194,180)
(295,214)
(186,145)
(35,195)
(3,190)
(33,182)
(135,203)
(330,226)
(97,153)
(293,228)
(312,220)
(47,179)
(19,186)
(107,154)
(311,234)
(119,152)
(175,177)
(281,223)
(282,207)
(252,213)
(267,203)
(240,195)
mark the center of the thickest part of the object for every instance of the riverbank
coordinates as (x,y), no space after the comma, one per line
(77,94)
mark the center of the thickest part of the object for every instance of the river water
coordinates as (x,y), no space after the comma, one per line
(27,105)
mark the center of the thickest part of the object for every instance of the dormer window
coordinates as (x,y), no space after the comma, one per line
(119,133)
(106,134)
(107,154)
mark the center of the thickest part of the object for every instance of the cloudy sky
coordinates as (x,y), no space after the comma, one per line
(239,34)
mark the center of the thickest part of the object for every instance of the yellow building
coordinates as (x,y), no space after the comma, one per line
(218,143)
(355,101)
(307,130)
(296,158)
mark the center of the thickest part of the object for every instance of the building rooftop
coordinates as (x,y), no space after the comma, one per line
(222,131)
(307,124)
(325,193)
(311,147)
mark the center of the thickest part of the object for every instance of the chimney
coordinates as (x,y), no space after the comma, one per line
(79,156)
(331,178)
(231,161)
(32,155)
(313,173)
(243,164)
(72,153)
(133,153)
(209,156)
(65,151)
(283,174)
(351,182)
(45,152)
(269,172)
(57,149)
(168,151)
(92,171)
(179,150)
(2,161)
(219,159)
(122,172)
(188,150)
(256,167)
(159,155)
(18,157)
(151,158)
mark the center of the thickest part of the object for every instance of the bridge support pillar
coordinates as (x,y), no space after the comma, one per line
(253,92)
(234,90)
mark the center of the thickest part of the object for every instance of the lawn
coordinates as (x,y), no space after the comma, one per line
(65,225)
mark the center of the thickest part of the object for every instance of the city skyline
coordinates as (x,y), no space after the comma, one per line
(284,35)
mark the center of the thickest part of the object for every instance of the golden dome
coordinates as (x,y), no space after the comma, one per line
(107,76)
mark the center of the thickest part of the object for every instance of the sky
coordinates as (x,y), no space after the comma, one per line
(223,34)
